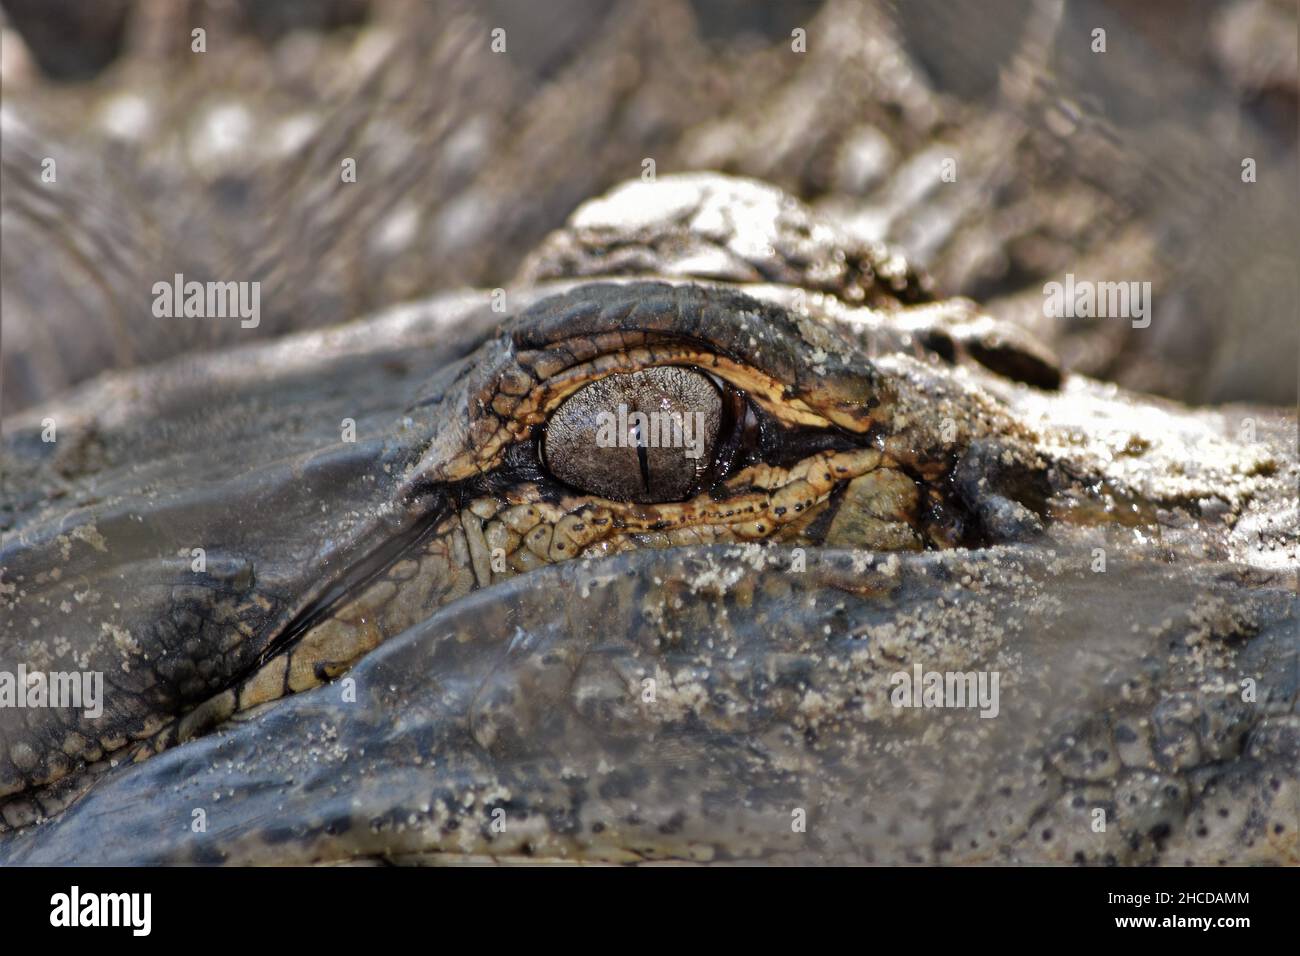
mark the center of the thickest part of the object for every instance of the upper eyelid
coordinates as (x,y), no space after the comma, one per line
(562,342)
(579,325)
(548,394)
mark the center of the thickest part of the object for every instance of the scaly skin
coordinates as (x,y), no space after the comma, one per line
(897,510)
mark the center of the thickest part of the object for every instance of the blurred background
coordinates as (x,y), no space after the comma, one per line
(1116,165)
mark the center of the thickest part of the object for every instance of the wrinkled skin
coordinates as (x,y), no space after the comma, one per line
(357,675)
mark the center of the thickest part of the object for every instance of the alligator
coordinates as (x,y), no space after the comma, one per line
(381,592)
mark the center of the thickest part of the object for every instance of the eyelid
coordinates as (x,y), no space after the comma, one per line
(760,387)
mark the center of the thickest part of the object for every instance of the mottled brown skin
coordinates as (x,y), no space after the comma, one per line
(872,449)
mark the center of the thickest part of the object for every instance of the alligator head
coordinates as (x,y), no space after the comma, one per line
(676,566)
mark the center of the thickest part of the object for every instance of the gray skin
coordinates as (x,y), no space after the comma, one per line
(1147,708)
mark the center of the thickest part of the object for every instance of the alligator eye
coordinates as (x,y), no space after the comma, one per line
(648,436)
